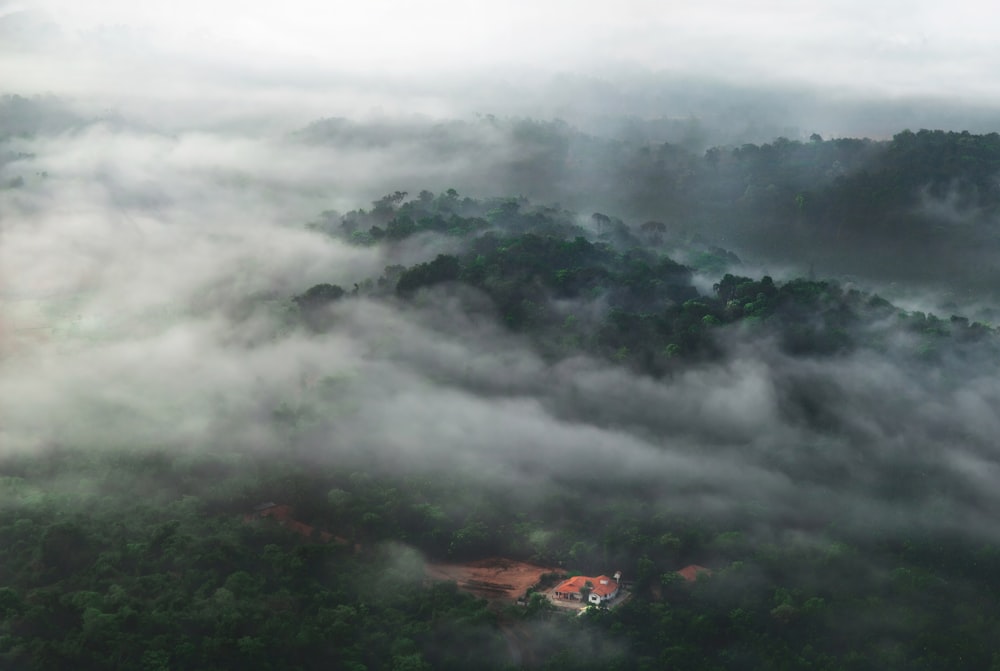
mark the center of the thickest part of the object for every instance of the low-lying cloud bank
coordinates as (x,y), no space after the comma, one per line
(152,234)
(146,303)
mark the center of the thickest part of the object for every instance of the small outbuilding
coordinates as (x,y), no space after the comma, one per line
(692,571)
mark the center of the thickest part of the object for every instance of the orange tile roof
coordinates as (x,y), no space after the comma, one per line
(602,585)
(691,572)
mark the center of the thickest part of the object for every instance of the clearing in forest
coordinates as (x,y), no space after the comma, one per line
(494,578)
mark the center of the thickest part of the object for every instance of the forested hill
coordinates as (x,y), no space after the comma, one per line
(635,357)
(365,336)
(879,209)
(875,208)
(527,383)
(595,285)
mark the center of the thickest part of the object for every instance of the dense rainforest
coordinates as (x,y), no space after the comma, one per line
(880,209)
(597,373)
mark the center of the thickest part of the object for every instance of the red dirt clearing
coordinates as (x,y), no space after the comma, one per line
(495,578)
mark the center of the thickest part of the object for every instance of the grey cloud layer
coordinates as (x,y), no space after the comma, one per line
(146,278)
(146,287)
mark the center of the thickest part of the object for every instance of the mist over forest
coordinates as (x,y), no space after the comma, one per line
(299,306)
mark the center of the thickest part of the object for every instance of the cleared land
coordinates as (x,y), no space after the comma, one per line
(494,578)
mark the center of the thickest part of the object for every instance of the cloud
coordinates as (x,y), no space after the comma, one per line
(146,302)
(147,278)
(304,59)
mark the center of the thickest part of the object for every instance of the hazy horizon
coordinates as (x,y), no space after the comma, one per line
(837,68)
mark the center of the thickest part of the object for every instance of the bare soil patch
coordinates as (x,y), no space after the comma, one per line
(494,578)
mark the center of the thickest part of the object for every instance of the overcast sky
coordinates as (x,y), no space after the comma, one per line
(167,49)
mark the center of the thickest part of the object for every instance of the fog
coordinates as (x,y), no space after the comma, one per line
(837,68)
(146,302)
(168,170)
